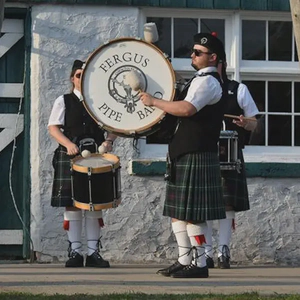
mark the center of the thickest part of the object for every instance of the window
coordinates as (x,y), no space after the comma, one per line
(266,62)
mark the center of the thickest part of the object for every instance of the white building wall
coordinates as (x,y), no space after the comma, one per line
(136,231)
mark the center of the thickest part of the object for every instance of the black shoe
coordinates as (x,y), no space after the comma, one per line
(75,260)
(96,260)
(191,271)
(210,262)
(224,259)
(177,266)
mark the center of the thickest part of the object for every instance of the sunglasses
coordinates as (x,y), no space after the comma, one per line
(198,52)
(78,75)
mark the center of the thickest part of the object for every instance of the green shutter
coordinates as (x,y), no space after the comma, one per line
(279,5)
(173,3)
(204,4)
(254,5)
(229,4)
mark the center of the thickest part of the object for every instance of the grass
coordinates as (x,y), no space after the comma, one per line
(141,296)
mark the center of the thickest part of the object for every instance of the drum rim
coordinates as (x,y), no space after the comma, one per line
(98,170)
(131,132)
(97,206)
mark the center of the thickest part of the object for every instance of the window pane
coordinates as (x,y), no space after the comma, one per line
(164,32)
(253,44)
(279,96)
(280,130)
(184,30)
(257,90)
(280,41)
(297,97)
(297,131)
(216,25)
(257,137)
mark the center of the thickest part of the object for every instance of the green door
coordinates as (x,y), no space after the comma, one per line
(14,183)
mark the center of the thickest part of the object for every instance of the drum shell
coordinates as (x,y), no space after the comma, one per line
(96,188)
(228,150)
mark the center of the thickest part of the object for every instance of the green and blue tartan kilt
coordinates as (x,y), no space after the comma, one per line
(235,187)
(195,191)
(61,189)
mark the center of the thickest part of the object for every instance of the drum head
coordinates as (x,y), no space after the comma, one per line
(97,163)
(111,101)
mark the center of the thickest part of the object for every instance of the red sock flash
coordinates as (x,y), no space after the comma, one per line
(66,225)
(233,224)
(101,222)
(200,239)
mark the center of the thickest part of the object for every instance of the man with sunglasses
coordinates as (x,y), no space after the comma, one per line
(70,123)
(194,190)
(241,104)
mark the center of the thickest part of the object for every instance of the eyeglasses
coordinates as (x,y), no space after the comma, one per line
(78,75)
(198,52)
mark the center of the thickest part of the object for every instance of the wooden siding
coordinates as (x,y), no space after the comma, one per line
(262,5)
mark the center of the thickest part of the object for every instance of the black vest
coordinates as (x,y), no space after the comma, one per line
(78,123)
(200,132)
(168,125)
(232,108)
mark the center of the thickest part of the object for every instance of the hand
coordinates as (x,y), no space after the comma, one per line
(242,122)
(107,145)
(72,149)
(147,99)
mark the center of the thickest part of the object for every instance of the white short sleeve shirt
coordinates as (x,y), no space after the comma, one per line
(204,90)
(246,101)
(57,116)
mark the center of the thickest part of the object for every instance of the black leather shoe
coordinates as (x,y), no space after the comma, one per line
(191,271)
(75,260)
(223,262)
(177,266)
(95,260)
(210,262)
(224,259)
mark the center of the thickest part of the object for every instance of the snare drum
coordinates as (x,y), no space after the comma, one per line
(228,150)
(96,182)
(111,101)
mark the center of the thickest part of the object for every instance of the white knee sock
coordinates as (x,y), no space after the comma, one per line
(183,242)
(225,230)
(73,226)
(209,251)
(92,227)
(196,233)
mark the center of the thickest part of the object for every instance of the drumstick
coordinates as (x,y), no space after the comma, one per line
(133,78)
(237,117)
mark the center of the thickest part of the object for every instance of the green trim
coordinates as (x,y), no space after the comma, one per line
(257,5)
(153,167)
(26,156)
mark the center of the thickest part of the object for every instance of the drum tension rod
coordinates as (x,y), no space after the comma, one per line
(90,189)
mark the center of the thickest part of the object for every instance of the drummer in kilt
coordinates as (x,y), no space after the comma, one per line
(69,124)
(194,190)
(239,103)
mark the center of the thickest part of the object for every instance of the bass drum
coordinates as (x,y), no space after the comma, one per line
(111,102)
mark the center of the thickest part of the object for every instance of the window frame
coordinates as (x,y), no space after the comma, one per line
(237,69)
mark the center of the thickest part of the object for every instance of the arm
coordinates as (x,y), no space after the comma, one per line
(247,124)
(177,108)
(249,107)
(108,143)
(57,134)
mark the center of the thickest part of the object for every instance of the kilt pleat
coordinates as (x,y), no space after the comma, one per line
(61,189)
(195,193)
(235,187)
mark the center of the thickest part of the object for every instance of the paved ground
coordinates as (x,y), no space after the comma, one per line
(55,278)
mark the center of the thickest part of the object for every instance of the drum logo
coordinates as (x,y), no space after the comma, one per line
(122,91)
